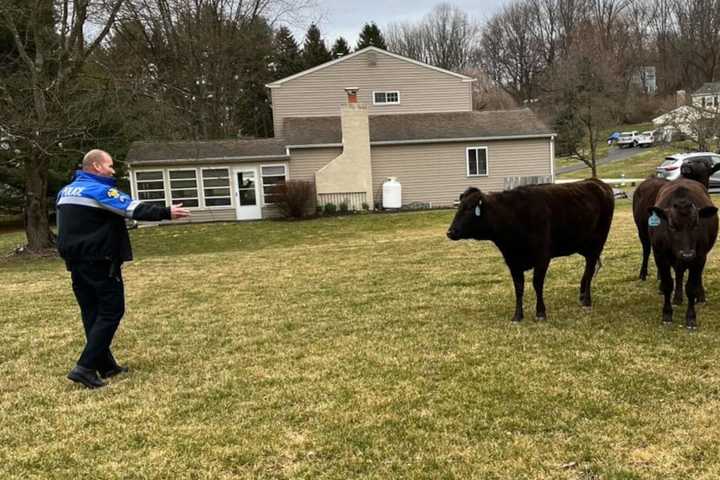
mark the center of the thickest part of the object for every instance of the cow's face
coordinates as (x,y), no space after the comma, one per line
(683,226)
(699,169)
(470,220)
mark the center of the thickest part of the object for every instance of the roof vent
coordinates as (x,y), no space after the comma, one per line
(372,59)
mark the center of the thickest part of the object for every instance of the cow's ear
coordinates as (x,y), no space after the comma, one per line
(658,211)
(707,212)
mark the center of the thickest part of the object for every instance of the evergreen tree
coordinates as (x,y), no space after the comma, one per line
(286,54)
(340,48)
(371,36)
(314,50)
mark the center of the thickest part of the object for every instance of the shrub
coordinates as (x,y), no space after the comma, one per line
(330,209)
(295,198)
(365,206)
(343,207)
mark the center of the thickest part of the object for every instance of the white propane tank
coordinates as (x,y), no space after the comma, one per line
(392,193)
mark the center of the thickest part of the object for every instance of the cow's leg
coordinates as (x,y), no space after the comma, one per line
(646,255)
(701,293)
(518,276)
(679,276)
(691,289)
(538,282)
(585,297)
(666,285)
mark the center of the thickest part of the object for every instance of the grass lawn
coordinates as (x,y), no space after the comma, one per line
(357,347)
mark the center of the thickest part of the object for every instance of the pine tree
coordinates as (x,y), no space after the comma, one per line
(286,54)
(340,48)
(371,36)
(314,50)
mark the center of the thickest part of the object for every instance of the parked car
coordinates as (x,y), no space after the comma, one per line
(646,139)
(670,167)
(628,139)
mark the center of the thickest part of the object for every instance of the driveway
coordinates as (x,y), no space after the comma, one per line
(615,154)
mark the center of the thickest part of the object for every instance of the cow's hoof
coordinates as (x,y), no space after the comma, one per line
(541,318)
(691,328)
(516,320)
(643,277)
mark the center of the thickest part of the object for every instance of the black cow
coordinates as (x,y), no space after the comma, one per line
(531,225)
(699,169)
(683,227)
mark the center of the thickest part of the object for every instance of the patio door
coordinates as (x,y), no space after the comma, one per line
(247,195)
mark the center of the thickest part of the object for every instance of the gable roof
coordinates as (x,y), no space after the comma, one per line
(420,127)
(709,88)
(216,151)
(279,83)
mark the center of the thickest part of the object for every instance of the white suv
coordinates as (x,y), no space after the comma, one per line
(646,139)
(628,139)
(670,168)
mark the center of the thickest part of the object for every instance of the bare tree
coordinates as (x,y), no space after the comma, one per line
(512,54)
(40,102)
(446,38)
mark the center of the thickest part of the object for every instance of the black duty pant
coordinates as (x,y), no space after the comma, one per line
(99,291)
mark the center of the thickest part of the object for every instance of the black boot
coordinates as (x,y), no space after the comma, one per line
(86,377)
(114,370)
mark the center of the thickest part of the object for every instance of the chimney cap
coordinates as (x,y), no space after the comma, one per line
(352,89)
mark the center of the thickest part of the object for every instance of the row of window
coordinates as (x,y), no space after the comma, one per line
(211,188)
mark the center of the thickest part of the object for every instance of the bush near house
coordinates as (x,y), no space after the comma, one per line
(295,198)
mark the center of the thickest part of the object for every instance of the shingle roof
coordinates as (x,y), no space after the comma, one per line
(420,126)
(218,150)
(710,88)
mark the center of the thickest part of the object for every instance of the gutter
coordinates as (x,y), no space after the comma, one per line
(430,140)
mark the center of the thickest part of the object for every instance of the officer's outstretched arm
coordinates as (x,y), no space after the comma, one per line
(122,204)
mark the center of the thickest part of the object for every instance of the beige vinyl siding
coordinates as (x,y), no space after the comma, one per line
(436,173)
(321,93)
(304,162)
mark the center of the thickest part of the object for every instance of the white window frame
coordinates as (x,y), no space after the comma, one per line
(230,188)
(467,162)
(262,179)
(397,92)
(169,187)
(165,189)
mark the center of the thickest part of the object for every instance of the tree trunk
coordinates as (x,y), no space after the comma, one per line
(37,225)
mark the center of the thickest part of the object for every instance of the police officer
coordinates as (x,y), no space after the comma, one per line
(93,241)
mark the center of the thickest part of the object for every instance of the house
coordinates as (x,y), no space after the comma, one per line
(707,96)
(348,125)
(704,104)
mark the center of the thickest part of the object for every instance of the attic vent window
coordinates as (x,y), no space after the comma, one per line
(386,98)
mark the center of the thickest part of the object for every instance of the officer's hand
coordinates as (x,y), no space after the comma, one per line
(176,211)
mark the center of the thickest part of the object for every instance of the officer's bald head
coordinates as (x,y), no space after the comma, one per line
(98,162)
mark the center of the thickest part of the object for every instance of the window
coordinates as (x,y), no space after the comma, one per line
(272,175)
(385,98)
(216,187)
(151,187)
(708,101)
(477,164)
(183,187)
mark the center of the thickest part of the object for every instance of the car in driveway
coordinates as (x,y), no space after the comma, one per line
(670,167)
(628,139)
(646,139)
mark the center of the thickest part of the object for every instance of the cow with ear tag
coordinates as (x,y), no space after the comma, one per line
(531,225)
(683,228)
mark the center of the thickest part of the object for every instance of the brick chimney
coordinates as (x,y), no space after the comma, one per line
(680,98)
(351,171)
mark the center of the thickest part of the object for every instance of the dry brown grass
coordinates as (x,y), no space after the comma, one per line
(367,346)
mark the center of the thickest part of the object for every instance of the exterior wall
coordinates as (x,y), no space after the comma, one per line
(322,93)
(211,214)
(436,173)
(304,162)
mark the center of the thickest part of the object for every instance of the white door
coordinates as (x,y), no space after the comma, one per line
(247,195)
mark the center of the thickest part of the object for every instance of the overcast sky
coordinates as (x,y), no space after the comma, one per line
(346,17)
